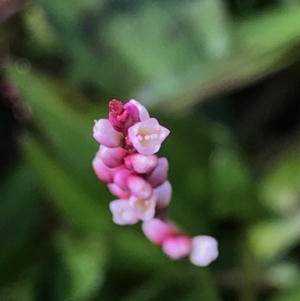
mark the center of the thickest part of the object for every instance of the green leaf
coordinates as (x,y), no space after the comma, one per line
(290,295)
(257,48)
(19,212)
(72,199)
(62,116)
(233,188)
(84,258)
(271,239)
(280,186)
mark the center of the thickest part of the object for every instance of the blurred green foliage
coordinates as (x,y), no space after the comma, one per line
(66,60)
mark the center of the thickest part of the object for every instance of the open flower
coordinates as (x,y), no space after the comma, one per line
(144,209)
(123,213)
(147,136)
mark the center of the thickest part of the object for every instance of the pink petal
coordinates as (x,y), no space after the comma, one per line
(177,247)
(104,173)
(112,157)
(123,214)
(139,187)
(144,209)
(147,136)
(157,231)
(144,115)
(204,250)
(121,178)
(105,134)
(160,173)
(163,194)
(118,191)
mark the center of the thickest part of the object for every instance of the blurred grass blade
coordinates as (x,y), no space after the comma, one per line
(69,196)
(84,258)
(280,186)
(270,240)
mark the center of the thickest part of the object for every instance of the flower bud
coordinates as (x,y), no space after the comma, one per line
(139,187)
(163,194)
(143,112)
(141,163)
(157,231)
(117,191)
(121,178)
(177,247)
(204,250)
(104,173)
(105,134)
(160,173)
(112,157)
(123,116)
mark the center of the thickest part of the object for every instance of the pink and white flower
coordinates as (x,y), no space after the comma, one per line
(144,209)
(126,161)
(204,250)
(123,213)
(147,136)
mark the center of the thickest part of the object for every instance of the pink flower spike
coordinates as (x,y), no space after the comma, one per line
(144,209)
(141,163)
(163,194)
(112,157)
(204,250)
(160,174)
(157,231)
(104,173)
(139,187)
(147,136)
(123,214)
(117,191)
(121,178)
(105,134)
(177,247)
(143,112)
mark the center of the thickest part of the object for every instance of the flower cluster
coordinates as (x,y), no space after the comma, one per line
(127,161)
